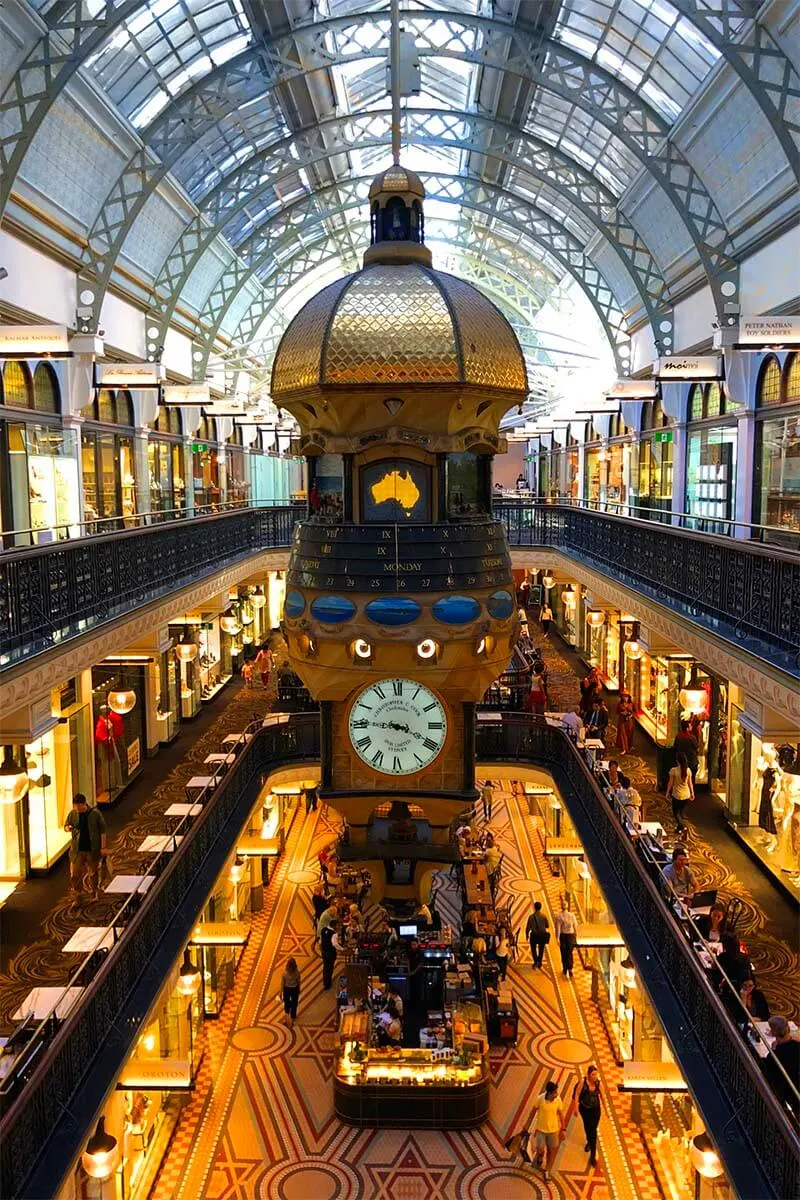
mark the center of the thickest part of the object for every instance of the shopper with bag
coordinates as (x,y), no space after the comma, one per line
(680,790)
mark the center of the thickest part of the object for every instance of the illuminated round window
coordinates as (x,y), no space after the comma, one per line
(500,605)
(456,610)
(392,610)
(294,605)
(332,610)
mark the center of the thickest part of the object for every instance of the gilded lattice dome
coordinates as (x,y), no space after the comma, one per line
(397,179)
(398,324)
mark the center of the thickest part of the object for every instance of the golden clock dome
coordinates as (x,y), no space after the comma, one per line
(398,324)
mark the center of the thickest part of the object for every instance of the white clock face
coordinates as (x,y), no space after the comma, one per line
(397,726)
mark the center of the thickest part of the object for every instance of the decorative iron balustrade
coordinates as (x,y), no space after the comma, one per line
(51,1117)
(742,591)
(51,593)
(754,1136)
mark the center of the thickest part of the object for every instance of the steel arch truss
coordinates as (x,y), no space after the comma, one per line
(512,295)
(338,41)
(546,168)
(557,242)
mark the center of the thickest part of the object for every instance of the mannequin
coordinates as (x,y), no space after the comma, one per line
(107,733)
(788,849)
(769,774)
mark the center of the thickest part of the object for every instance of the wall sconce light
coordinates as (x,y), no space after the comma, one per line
(427,649)
(362,650)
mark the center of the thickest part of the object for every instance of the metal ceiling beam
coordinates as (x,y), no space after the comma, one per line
(579,82)
(557,242)
(543,164)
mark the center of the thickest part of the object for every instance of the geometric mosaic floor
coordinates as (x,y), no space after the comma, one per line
(260,1123)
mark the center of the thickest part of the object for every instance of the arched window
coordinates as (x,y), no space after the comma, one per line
(696,402)
(714,400)
(17,385)
(769,383)
(791,391)
(169,421)
(208,430)
(236,437)
(46,395)
(124,409)
(106,410)
(591,433)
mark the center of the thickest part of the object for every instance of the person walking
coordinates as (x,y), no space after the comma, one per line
(502,949)
(487,799)
(329,947)
(590,1107)
(545,617)
(549,1128)
(538,933)
(590,691)
(680,790)
(88,846)
(247,673)
(311,800)
(263,664)
(686,743)
(625,723)
(567,933)
(290,985)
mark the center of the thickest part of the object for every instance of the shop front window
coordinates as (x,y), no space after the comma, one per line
(205,465)
(159,464)
(711,476)
(777,488)
(43,478)
(119,740)
(654,465)
(49,796)
(107,458)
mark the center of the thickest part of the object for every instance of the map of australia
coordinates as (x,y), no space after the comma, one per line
(396,486)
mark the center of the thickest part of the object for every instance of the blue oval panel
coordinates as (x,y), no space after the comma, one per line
(392,610)
(332,610)
(500,605)
(294,604)
(456,610)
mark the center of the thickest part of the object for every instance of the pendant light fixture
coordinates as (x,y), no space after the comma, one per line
(188,976)
(100,1157)
(705,1159)
(236,873)
(229,622)
(568,596)
(596,618)
(258,599)
(628,972)
(693,698)
(186,648)
(633,650)
(548,580)
(14,781)
(122,700)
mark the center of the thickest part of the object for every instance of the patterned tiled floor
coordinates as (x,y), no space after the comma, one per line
(261,1125)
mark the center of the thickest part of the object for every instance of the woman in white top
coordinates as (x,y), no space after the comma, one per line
(567,934)
(502,949)
(680,789)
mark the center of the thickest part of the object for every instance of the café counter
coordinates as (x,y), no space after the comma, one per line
(405,1089)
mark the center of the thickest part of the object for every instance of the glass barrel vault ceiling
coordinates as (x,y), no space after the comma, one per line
(162,50)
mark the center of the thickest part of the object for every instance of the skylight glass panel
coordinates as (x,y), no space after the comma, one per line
(162,48)
(647,44)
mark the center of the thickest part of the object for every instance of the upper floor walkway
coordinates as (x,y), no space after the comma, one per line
(740,591)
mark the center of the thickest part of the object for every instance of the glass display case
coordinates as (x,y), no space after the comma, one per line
(441,1088)
(168,705)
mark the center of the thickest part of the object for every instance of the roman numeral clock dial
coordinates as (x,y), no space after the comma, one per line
(397,726)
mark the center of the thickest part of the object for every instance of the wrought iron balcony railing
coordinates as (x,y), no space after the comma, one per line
(744,592)
(49,594)
(46,1124)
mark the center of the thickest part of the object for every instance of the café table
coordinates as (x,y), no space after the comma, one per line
(89,937)
(476,885)
(41,1001)
(160,843)
(183,810)
(122,885)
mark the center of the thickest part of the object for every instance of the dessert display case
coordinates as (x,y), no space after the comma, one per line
(400,1088)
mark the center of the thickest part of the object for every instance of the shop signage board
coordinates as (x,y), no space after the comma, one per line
(756,332)
(187,394)
(134,755)
(130,375)
(689,366)
(633,389)
(33,341)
